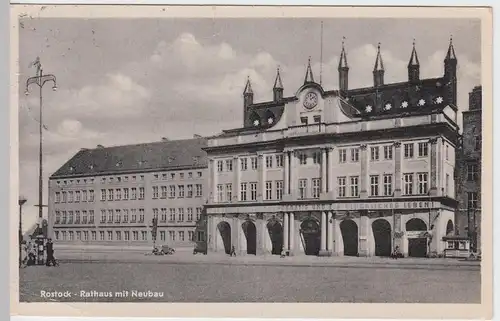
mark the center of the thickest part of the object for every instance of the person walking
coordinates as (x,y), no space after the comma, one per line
(50,253)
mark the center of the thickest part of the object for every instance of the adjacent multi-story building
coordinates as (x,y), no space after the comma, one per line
(110,195)
(468,215)
(339,172)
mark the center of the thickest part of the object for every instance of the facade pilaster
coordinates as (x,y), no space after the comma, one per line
(285,231)
(339,242)
(213,180)
(397,169)
(286,173)
(237,179)
(324,166)
(292,232)
(261,185)
(364,225)
(322,250)
(363,179)
(294,174)
(433,167)
(329,241)
(331,179)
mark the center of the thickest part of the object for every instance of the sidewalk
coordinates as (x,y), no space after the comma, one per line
(185,257)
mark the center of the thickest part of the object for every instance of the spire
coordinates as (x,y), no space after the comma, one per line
(343,57)
(450,55)
(414,58)
(309,75)
(379,63)
(248,87)
(277,83)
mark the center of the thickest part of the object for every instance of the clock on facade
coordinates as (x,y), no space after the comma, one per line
(310,100)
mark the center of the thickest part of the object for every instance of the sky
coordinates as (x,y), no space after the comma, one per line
(126,81)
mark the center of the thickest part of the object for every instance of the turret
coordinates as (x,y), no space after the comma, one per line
(413,66)
(343,72)
(450,74)
(309,74)
(378,69)
(278,87)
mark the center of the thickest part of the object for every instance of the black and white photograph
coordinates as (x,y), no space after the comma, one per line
(234,159)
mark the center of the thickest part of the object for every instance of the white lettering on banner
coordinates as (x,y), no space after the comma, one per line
(321,207)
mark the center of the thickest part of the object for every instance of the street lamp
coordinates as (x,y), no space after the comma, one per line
(40,80)
(22,200)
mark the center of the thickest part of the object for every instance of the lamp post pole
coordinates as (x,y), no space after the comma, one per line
(21,203)
(40,80)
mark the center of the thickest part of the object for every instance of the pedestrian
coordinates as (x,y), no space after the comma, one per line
(24,253)
(282,254)
(31,254)
(233,251)
(50,253)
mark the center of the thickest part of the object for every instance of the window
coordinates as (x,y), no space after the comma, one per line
(65,197)
(70,217)
(71,235)
(229,165)
(101,235)
(181,235)
(269,190)
(91,195)
(125,216)
(317,119)
(190,236)
(163,217)
(84,196)
(64,217)
(198,213)
(144,235)
(58,217)
(279,190)
(190,214)
(255,163)
(190,174)
(133,215)
(171,234)
(279,160)
(172,191)
(141,193)
(181,191)
(181,215)
(118,235)
(141,215)
(341,182)
(220,165)
(355,155)
(408,180)
(447,156)
(77,217)
(447,186)
(163,192)
(172,215)
(229,192)
(269,162)
(342,155)
(64,235)
(408,150)
(199,190)
(125,193)
(388,152)
(91,216)
(126,235)
(110,216)
(303,120)
(111,194)
(422,183)
(253,191)
(155,192)
(78,235)
(220,193)
(477,143)
(316,187)
(134,193)
(58,197)
(354,186)
(472,173)
(244,163)
(190,191)
(199,174)
(243,192)
(302,158)
(423,149)
(374,185)
(135,235)
(317,157)
(56,233)
(374,153)
(388,185)
(472,200)
(85,235)
(162,235)
(94,235)
(70,197)
(302,188)
(110,235)
(78,196)
(172,175)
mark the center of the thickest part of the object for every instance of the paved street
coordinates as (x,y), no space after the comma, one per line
(210,282)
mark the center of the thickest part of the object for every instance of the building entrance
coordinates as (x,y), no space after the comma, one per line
(311,236)
(349,230)
(276,234)
(251,235)
(225,232)
(417,247)
(382,235)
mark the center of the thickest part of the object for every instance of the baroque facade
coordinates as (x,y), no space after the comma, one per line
(109,195)
(340,172)
(468,215)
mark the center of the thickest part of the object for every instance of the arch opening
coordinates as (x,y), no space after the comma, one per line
(250,232)
(417,245)
(310,233)
(382,235)
(225,232)
(275,230)
(349,230)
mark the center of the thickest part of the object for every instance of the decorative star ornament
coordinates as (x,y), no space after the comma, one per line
(388,106)
(256,122)
(404,104)
(439,100)
(270,120)
(421,102)
(368,108)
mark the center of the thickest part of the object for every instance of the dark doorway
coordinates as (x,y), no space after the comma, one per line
(225,232)
(311,236)
(383,239)
(416,224)
(417,247)
(251,235)
(349,230)
(276,234)
(449,228)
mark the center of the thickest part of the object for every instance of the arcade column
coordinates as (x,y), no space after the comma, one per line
(323,251)
(285,232)
(291,238)
(329,241)
(364,234)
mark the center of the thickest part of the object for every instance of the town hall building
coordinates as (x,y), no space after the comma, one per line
(354,172)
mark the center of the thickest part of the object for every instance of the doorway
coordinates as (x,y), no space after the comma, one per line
(251,235)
